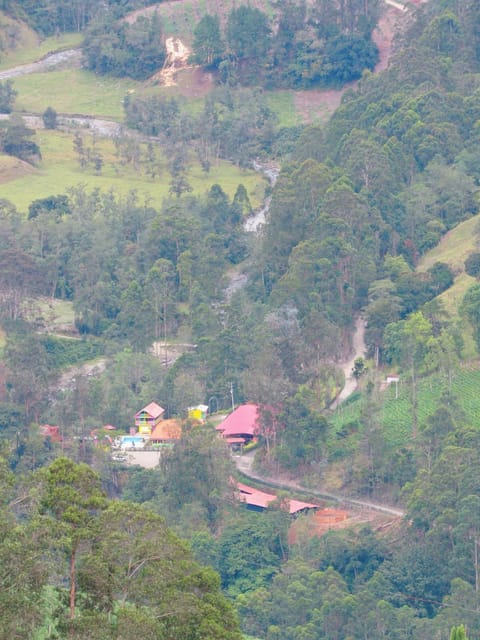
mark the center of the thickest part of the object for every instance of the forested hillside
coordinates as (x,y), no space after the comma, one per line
(125,249)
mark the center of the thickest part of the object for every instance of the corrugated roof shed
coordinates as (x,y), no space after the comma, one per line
(260,499)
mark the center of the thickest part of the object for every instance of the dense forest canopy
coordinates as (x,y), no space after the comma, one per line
(358,202)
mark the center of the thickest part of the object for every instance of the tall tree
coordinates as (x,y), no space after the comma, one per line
(71,497)
(208,46)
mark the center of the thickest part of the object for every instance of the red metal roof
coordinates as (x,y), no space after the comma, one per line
(257,498)
(241,422)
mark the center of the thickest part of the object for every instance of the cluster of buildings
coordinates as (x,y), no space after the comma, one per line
(152,429)
(238,429)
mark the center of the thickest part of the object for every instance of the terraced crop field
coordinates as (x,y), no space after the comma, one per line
(396,413)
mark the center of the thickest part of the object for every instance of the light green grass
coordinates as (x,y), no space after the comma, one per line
(56,313)
(282,103)
(37,50)
(60,170)
(455,247)
(75,91)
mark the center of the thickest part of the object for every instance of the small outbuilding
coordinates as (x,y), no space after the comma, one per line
(259,500)
(198,412)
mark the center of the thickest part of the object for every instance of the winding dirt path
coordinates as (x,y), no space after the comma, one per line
(358,351)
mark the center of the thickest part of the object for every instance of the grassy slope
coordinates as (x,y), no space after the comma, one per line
(454,249)
(73,91)
(31,48)
(180,18)
(60,170)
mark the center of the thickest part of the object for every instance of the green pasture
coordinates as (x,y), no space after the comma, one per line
(453,249)
(33,49)
(59,170)
(282,103)
(57,314)
(74,91)
(397,412)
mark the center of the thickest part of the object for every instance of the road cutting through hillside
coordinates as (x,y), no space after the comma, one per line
(244,464)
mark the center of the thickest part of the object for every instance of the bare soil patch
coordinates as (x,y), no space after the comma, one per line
(331,519)
(317,105)
(194,82)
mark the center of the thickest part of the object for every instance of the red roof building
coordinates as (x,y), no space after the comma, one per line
(260,500)
(242,424)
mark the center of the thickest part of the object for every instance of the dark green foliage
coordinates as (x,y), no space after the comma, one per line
(250,551)
(305,46)
(197,471)
(64,352)
(57,204)
(348,56)
(125,569)
(15,140)
(356,556)
(7,96)
(62,15)
(303,432)
(11,418)
(472,265)
(248,34)
(123,49)
(207,44)
(49,118)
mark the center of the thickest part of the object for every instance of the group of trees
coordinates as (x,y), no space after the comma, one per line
(235,125)
(354,208)
(54,16)
(122,49)
(79,565)
(302,46)
(307,45)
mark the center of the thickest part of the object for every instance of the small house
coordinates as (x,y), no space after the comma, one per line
(147,418)
(198,413)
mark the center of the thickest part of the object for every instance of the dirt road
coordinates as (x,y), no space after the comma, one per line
(244,464)
(359,349)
